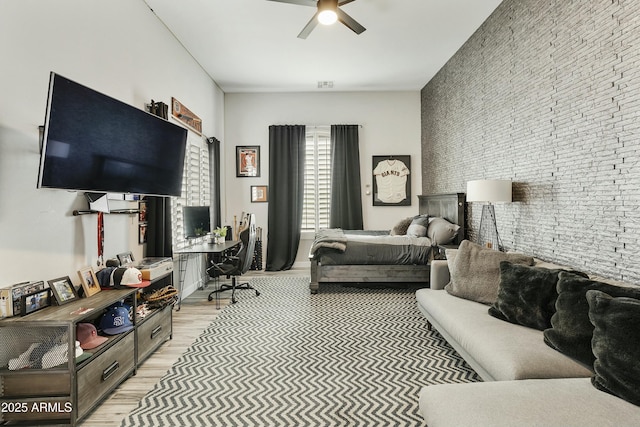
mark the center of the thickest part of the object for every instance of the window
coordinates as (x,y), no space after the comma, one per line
(196,187)
(317,179)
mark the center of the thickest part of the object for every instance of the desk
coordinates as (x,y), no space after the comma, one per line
(203,248)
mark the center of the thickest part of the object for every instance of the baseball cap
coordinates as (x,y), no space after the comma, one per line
(128,276)
(88,336)
(116,320)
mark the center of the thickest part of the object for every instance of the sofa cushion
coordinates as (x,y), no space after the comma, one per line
(418,226)
(475,272)
(527,295)
(441,231)
(571,330)
(616,344)
(570,402)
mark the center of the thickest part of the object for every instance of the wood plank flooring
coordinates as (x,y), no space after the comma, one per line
(194,316)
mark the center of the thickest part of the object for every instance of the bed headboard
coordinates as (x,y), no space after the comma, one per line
(448,206)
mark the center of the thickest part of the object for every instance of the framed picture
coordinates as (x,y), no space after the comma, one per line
(259,193)
(142,211)
(391,180)
(63,290)
(35,301)
(125,258)
(89,281)
(248,161)
(142,233)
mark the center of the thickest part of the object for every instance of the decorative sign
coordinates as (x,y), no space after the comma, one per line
(182,113)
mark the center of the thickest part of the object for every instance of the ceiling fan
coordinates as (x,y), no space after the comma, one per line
(328,12)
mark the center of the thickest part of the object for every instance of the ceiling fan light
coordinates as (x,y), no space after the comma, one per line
(327,17)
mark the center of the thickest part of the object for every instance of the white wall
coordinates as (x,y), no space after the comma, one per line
(117,47)
(390,125)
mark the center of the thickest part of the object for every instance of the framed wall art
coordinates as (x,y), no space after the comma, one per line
(391,180)
(89,281)
(248,161)
(259,193)
(63,290)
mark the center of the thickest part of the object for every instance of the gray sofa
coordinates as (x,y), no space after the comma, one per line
(527,382)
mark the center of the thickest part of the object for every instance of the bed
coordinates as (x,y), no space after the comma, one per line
(335,259)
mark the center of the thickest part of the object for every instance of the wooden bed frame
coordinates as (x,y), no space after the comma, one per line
(449,206)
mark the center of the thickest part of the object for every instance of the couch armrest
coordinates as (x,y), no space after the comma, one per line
(439,276)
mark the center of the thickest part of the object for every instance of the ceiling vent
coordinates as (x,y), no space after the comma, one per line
(325,85)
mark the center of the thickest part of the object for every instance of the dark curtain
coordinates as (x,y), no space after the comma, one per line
(158,227)
(286,186)
(214,163)
(346,199)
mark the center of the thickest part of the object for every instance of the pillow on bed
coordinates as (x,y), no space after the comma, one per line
(441,231)
(476,272)
(400,229)
(616,344)
(418,226)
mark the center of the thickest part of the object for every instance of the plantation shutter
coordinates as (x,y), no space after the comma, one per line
(317,179)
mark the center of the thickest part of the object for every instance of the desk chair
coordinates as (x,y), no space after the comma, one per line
(239,263)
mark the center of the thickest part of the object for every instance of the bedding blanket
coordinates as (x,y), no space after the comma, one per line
(330,238)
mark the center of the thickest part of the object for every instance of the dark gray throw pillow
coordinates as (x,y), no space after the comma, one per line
(571,330)
(616,345)
(527,295)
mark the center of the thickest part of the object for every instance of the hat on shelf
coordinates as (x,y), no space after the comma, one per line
(116,320)
(88,336)
(128,276)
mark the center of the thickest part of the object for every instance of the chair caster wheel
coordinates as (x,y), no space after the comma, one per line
(257,293)
(233,301)
(210,298)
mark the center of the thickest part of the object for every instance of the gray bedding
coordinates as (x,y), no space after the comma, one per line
(369,247)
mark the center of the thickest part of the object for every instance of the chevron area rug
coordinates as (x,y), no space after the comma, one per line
(344,357)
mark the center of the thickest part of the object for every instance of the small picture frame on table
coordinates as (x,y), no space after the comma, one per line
(248,161)
(89,281)
(63,290)
(125,258)
(35,301)
(259,193)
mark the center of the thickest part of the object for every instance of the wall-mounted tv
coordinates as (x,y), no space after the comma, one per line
(197,221)
(93,142)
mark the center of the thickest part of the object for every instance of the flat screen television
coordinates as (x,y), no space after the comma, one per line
(197,221)
(95,143)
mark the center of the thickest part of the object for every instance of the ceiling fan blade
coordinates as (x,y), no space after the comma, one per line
(300,2)
(309,27)
(340,3)
(351,23)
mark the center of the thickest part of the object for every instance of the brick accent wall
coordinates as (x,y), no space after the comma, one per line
(547,93)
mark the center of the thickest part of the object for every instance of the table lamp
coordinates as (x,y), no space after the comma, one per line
(489,191)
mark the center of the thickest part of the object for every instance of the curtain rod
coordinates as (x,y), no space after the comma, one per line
(326,126)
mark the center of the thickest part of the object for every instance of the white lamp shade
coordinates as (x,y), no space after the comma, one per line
(489,190)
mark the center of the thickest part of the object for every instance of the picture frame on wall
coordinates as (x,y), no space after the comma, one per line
(247,161)
(89,281)
(391,180)
(259,193)
(63,290)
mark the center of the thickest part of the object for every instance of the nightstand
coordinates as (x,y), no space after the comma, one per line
(440,251)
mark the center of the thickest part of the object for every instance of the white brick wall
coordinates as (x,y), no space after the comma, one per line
(547,93)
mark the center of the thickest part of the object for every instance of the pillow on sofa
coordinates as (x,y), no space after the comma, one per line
(527,295)
(400,229)
(571,331)
(418,226)
(475,272)
(441,231)
(616,344)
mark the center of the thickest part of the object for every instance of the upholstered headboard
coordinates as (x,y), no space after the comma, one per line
(448,206)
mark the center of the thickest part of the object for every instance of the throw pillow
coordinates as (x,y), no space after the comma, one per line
(616,344)
(475,272)
(441,231)
(418,226)
(400,229)
(527,295)
(571,331)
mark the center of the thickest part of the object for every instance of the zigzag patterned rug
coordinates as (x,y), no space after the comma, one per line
(344,357)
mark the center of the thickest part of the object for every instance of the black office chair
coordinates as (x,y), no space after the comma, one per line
(239,263)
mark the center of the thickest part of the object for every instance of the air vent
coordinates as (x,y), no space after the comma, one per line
(325,85)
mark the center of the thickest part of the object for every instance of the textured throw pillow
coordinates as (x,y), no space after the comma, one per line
(418,226)
(616,344)
(571,331)
(527,295)
(400,229)
(441,231)
(475,272)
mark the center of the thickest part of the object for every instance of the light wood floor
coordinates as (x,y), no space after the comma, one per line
(194,316)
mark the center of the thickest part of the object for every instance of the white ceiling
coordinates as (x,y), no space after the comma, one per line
(252,45)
